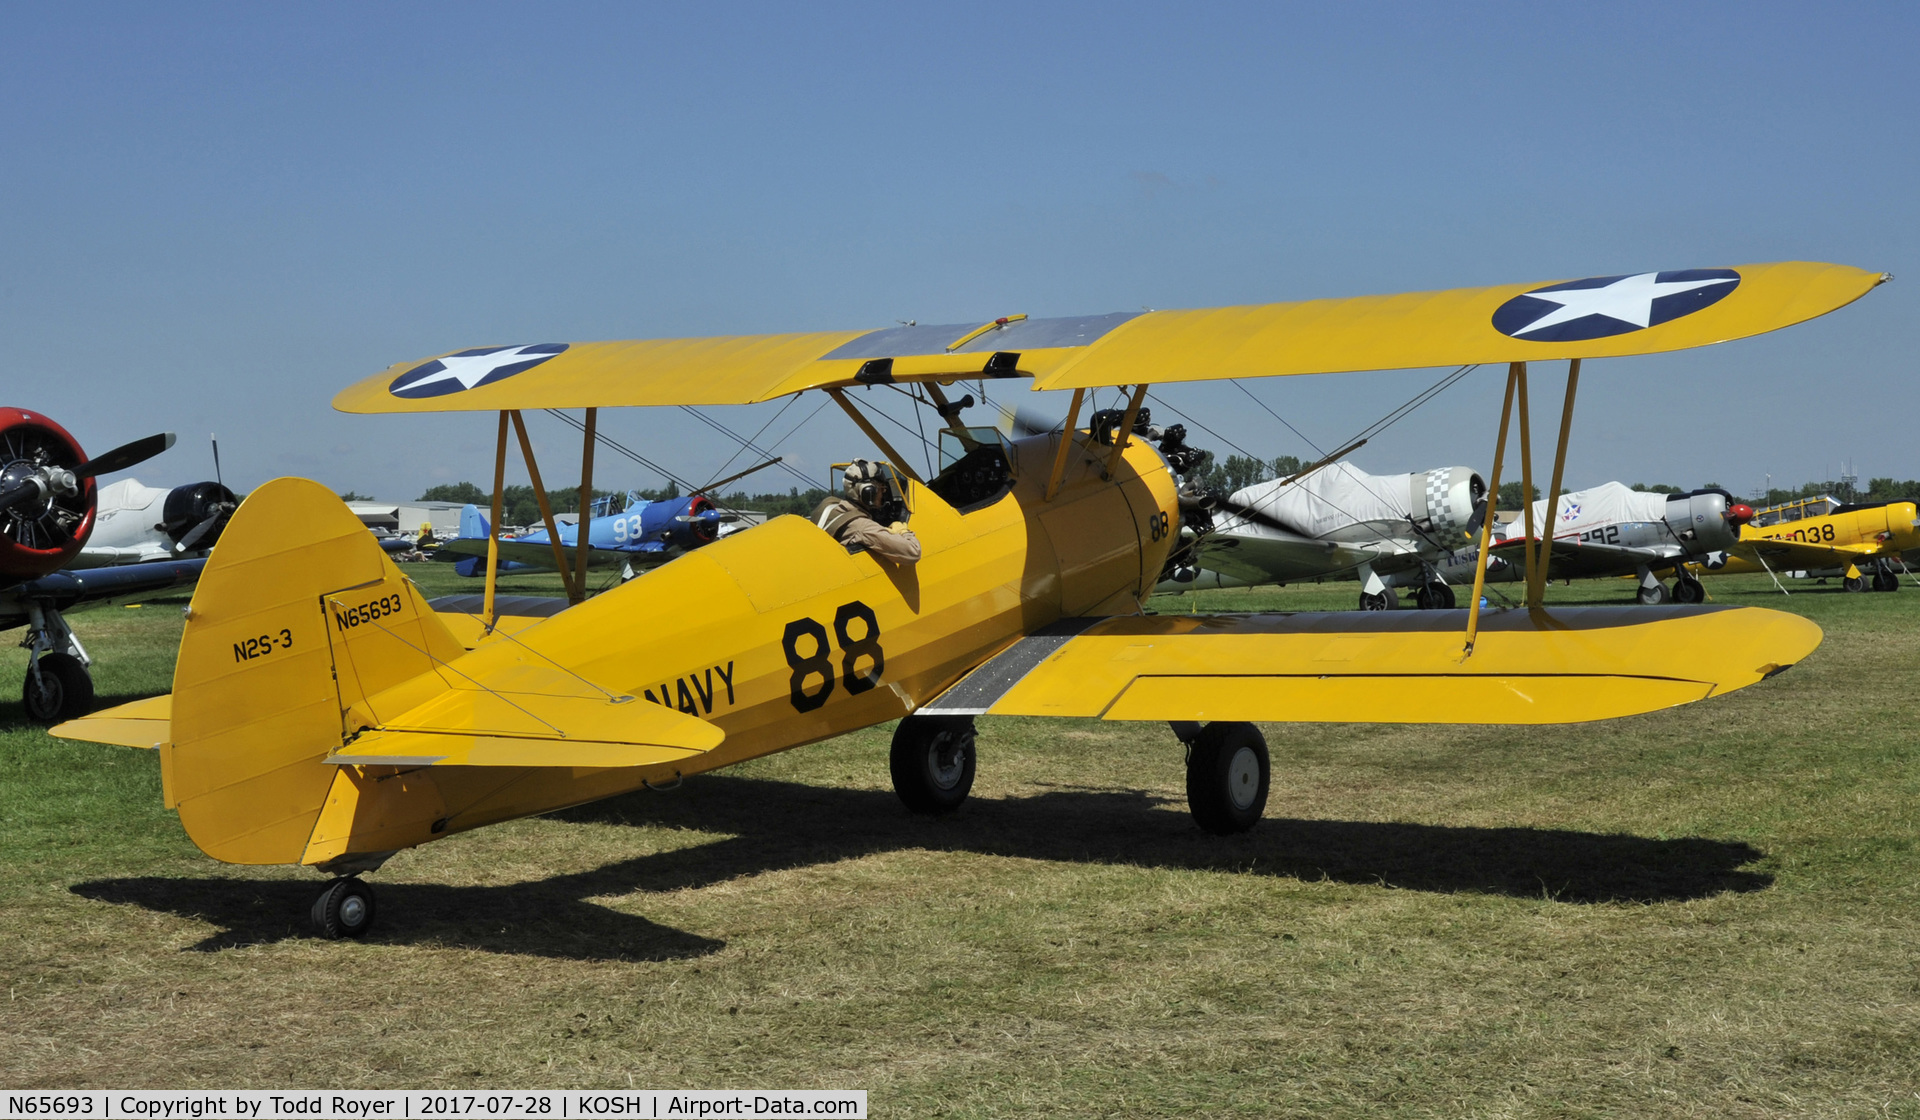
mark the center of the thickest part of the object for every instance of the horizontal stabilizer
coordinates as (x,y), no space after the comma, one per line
(142,723)
(522,715)
(1566,665)
(420,748)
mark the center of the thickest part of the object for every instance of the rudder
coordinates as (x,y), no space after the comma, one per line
(298,617)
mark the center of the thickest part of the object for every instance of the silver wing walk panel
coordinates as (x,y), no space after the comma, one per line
(974,693)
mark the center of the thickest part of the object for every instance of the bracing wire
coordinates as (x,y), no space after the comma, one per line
(1392,417)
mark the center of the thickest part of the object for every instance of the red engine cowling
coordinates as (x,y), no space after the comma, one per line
(44,535)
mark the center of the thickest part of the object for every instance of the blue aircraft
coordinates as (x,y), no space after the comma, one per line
(642,536)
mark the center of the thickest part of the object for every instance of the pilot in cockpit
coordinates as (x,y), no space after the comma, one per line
(858,518)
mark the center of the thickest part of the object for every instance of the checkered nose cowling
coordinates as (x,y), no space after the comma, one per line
(1447,499)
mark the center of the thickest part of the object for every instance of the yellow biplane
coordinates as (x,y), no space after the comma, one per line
(1863,542)
(324,714)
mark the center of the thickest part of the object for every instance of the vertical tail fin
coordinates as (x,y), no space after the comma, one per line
(473,523)
(297,619)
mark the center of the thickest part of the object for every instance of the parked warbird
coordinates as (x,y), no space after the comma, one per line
(1610,530)
(1865,544)
(50,510)
(323,714)
(1340,522)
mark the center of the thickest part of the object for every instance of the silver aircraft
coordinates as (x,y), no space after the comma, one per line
(1611,530)
(1336,522)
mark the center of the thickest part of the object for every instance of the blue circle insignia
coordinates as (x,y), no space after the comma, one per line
(1603,306)
(470,369)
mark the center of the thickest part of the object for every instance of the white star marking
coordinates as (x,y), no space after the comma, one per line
(473,369)
(1628,299)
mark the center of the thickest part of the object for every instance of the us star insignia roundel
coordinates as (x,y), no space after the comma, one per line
(456,373)
(1602,306)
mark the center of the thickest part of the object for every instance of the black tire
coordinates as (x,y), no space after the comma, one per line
(1854,583)
(1654,596)
(1227,775)
(933,762)
(1686,589)
(1385,601)
(65,690)
(1435,596)
(344,909)
(1884,580)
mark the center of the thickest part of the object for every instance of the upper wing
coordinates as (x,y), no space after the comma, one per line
(1561,666)
(1570,559)
(1593,318)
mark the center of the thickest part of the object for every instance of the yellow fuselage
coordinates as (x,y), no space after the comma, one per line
(1853,536)
(775,635)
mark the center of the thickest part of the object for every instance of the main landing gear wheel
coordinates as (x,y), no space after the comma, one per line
(58,688)
(933,761)
(1687,589)
(1384,601)
(1854,583)
(1227,775)
(344,909)
(1884,580)
(1654,596)
(1435,596)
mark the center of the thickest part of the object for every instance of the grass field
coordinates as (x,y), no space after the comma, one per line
(1712,911)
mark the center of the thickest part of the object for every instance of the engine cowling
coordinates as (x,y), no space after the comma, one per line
(45,533)
(1706,519)
(195,514)
(688,523)
(1443,500)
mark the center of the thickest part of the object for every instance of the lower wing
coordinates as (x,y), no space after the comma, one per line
(1802,554)
(1570,559)
(1566,665)
(1267,558)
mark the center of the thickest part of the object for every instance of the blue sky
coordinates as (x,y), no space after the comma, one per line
(216,216)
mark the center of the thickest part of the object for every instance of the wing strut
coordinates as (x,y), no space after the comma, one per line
(1126,430)
(578,592)
(1537,578)
(1526,480)
(493,527)
(1493,504)
(546,510)
(898,460)
(1066,444)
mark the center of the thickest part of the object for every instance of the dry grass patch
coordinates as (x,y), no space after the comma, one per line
(1705,912)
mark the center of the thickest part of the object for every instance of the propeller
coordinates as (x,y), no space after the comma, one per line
(125,455)
(186,543)
(38,481)
(1023,422)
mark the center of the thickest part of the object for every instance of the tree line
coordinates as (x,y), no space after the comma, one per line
(1235,472)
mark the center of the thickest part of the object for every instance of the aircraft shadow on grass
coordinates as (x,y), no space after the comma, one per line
(777,825)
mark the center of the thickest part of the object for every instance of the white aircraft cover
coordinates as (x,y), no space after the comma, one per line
(1606,504)
(1332,498)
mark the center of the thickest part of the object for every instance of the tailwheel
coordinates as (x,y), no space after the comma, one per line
(1435,596)
(1227,775)
(1687,589)
(1383,601)
(1652,595)
(57,688)
(933,762)
(344,909)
